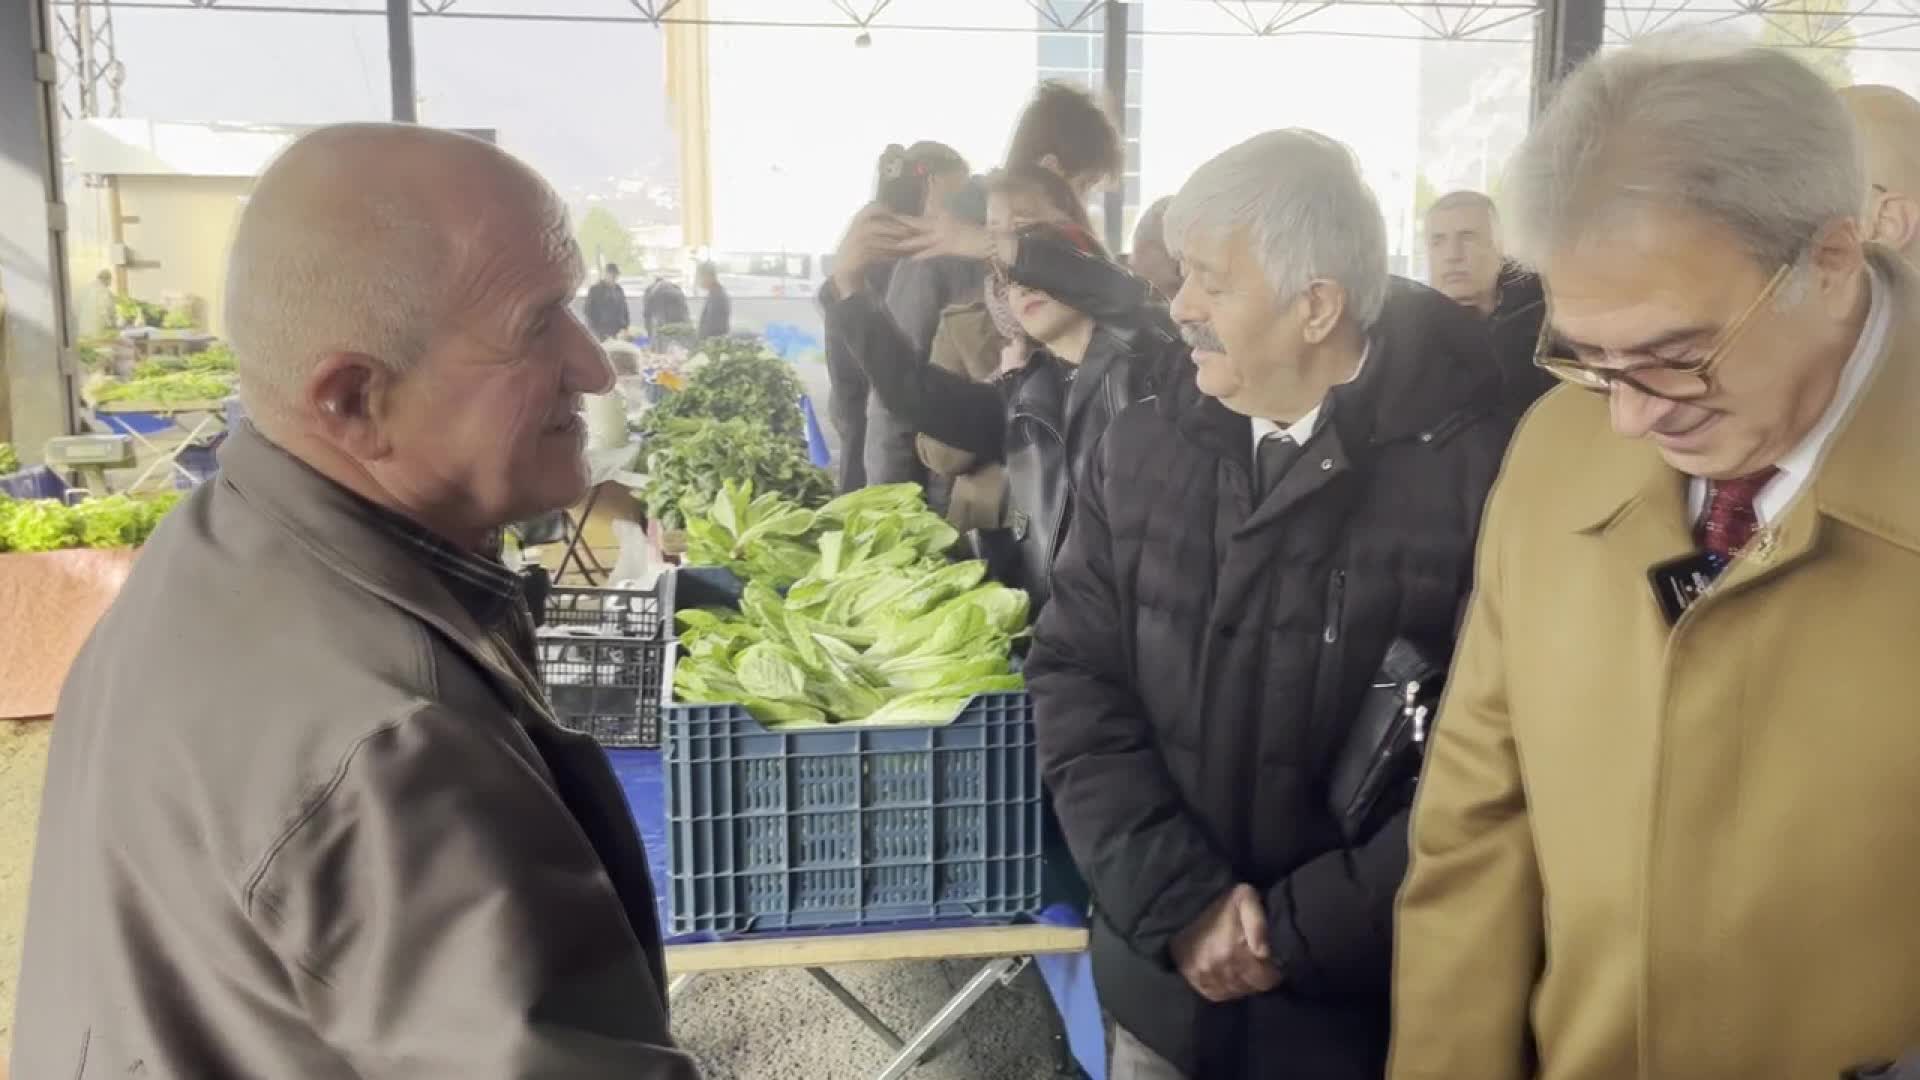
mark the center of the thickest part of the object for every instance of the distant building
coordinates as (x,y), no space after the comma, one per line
(167,196)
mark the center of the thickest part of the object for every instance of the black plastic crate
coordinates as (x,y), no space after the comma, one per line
(629,613)
(606,687)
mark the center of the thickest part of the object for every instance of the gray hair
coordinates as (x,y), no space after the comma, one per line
(1308,213)
(1743,136)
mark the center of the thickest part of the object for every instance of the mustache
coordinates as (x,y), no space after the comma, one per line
(1201,336)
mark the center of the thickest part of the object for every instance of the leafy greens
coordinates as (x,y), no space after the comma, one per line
(876,628)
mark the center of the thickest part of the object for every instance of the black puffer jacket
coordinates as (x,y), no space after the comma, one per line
(1514,327)
(1044,419)
(1203,656)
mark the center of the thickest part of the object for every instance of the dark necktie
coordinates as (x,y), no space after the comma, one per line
(1276,454)
(1731,518)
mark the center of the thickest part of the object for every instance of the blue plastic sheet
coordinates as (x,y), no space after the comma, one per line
(816,439)
(38,482)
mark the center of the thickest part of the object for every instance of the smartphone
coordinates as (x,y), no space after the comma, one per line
(902,186)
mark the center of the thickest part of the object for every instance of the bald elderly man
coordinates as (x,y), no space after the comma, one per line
(1888,123)
(308,813)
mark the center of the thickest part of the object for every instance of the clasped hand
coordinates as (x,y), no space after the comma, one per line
(1225,955)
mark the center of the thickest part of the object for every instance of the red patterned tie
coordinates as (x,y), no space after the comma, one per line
(1731,519)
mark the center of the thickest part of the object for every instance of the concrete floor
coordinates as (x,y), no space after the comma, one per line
(776,1025)
(23,766)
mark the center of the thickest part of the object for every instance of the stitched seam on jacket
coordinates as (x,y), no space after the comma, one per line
(314,805)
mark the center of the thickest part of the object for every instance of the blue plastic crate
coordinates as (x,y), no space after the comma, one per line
(851,826)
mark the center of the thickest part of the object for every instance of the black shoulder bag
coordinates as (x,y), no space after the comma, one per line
(1375,769)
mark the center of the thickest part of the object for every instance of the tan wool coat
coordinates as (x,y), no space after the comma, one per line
(1689,854)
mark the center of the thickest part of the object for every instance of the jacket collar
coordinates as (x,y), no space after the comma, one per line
(384,556)
(1428,367)
(1857,483)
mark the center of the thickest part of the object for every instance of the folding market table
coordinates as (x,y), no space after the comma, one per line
(142,419)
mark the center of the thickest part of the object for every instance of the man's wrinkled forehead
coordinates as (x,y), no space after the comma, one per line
(1212,251)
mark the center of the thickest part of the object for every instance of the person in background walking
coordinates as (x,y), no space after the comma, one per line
(1465,261)
(716,312)
(663,306)
(607,313)
(1667,825)
(1888,123)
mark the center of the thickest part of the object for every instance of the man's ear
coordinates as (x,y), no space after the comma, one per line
(1896,222)
(345,398)
(1835,254)
(1326,305)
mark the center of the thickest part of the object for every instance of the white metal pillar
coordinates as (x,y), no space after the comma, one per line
(36,395)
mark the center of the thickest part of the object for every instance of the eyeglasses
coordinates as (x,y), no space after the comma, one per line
(1682,381)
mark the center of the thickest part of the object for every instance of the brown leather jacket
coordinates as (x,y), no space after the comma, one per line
(306,815)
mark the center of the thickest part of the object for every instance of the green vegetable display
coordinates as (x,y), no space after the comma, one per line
(689,460)
(739,380)
(212,358)
(9,461)
(169,389)
(879,629)
(114,521)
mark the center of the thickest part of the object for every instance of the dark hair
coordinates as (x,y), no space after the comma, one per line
(1066,122)
(936,158)
(1048,185)
(612,268)
(707,269)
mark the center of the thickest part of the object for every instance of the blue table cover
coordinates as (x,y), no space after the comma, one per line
(1069,978)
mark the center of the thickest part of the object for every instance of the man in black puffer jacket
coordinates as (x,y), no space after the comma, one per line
(1212,632)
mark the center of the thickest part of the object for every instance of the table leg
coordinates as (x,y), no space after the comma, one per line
(577,551)
(1002,970)
(856,1007)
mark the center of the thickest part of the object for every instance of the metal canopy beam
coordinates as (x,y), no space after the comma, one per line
(1115,67)
(1565,33)
(400,60)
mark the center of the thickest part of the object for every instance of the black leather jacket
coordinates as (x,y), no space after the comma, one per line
(1045,420)
(1056,416)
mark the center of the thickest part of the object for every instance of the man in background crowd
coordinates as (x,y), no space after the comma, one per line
(1243,551)
(663,305)
(1465,261)
(716,310)
(1149,257)
(1888,123)
(607,313)
(323,823)
(1665,828)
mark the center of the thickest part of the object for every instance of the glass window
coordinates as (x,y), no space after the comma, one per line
(1064,50)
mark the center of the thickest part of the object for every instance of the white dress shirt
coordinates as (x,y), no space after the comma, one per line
(1799,465)
(1302,429)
